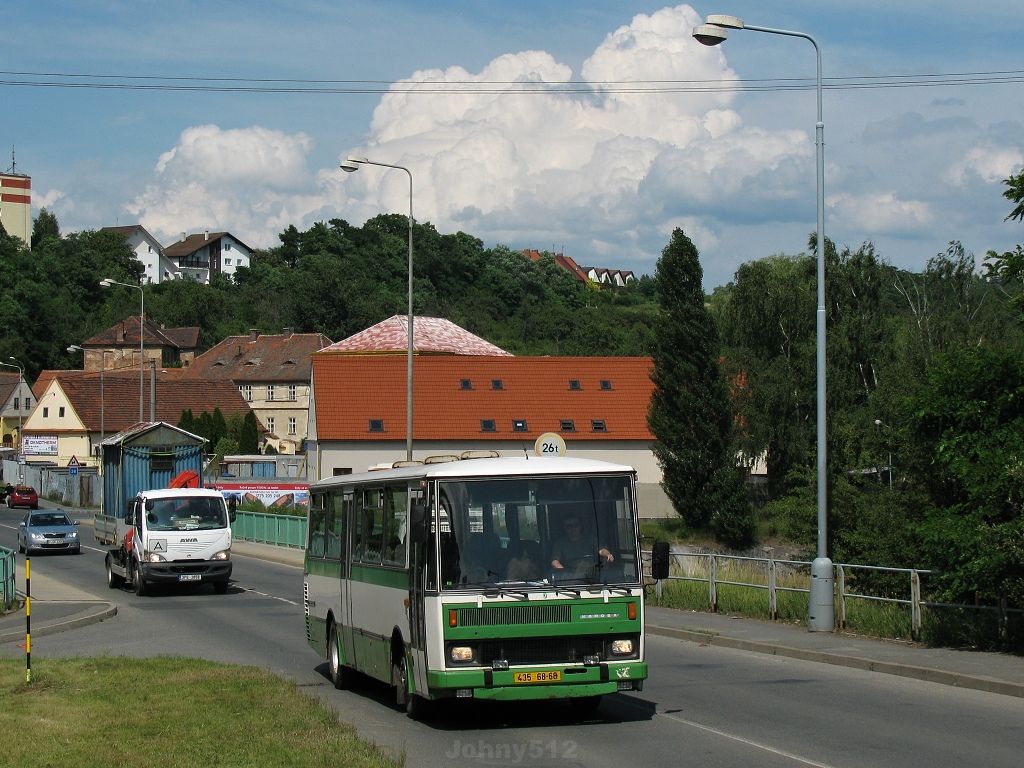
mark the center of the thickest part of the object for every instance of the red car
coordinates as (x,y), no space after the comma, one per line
(23,496)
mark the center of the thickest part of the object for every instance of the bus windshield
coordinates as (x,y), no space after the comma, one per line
(537,532)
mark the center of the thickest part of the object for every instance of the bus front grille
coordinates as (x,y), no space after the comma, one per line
(540,650)
(510,615)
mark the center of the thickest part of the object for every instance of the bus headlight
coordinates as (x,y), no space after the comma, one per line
(622,648)
(224,554)
(461,654)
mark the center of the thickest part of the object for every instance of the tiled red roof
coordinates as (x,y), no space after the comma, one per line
(126,333)
(174,394)
(565,262)
(8,383)
(431,335)
(352,389)
(194,243)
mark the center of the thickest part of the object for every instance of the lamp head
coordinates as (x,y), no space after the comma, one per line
(106,282)
(722,20)
(74,348)
(710,34)
(351,164)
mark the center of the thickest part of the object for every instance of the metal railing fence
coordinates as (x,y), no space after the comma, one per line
(763,573)
(8,591)
(266,528)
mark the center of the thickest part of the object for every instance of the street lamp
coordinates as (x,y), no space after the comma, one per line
(103,367)
(821,613)
(351,165)
(106,283)
(21,402)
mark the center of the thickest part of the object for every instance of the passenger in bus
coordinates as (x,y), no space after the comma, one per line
(577,552)
(525,563)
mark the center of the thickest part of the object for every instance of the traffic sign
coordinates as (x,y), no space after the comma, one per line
(73,465)
(549,444)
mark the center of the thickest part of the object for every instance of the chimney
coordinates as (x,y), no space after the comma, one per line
(206,235)
(254,333)
(183,237)
(287,332)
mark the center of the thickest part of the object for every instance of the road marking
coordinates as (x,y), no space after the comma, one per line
(265,594)
(748,742)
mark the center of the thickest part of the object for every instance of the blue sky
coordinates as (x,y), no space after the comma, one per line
(572,160)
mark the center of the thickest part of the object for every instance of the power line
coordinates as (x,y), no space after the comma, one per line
(96,81)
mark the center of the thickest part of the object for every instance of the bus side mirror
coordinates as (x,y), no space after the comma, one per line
(232,508)
(659,560)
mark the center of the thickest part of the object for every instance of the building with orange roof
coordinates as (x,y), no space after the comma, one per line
(598,405)
(75,410)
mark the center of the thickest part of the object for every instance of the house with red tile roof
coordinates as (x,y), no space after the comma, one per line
(200,257)
(76,410)
(272,372)
(477,402)
(430,335)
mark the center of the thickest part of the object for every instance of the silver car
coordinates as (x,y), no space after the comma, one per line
(48,530)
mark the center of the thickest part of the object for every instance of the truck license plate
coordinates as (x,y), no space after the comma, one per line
(548,676)
(190,577)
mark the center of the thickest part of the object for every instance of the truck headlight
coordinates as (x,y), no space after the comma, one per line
(622,648)
(153,557)
(461,654)
(224,554)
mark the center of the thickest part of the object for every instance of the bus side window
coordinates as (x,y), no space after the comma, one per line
(396,519)
(373,525)
(317,525)
(335,526)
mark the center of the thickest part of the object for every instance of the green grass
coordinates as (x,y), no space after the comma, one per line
(185,713)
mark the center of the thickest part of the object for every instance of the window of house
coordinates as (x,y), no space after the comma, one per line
(291,391)
(567,425)
(376,425)
(270,391)
(465,384)
(598,425)
(488,425)
(291,425)
(519,425)
(60,412)
(161,461)
(46,412)
(227,246)
(247,391)
(28,403)
(606,384)
(497,384)
(15,403)
(227,262)
(270,423)
(574,384)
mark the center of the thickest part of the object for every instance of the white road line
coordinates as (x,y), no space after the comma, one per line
(265,594)
(748,742)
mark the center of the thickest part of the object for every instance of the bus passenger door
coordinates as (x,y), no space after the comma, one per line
(347,643)
(419,552)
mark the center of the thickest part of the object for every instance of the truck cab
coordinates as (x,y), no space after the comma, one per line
(172,536)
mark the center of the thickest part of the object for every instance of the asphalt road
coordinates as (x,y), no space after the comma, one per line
(703,706)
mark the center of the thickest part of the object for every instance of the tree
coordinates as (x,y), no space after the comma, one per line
(249,437)
(690,413)
(45,225)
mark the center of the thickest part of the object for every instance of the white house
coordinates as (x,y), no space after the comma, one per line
(148,250)
(199,257)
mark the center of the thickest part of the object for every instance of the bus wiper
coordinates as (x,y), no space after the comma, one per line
(499,591)
(567,591)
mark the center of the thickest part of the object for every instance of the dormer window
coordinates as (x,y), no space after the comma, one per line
(488,425)
(575,385)
(606,385)
(598,425)
(376,425)
(497,384)
(465,384)
(567,425)
(519,425)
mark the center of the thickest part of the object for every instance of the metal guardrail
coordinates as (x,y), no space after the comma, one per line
(707,566)
(266,528)
(8,590)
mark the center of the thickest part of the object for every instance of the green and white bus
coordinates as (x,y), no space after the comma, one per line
(455,579)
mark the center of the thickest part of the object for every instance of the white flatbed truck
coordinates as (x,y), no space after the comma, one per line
(170,536)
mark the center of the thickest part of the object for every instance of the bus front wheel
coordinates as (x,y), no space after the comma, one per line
(340,675)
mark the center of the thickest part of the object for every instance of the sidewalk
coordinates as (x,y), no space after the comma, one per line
(57,607)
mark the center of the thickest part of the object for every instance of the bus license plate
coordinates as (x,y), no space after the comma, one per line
(190,577)
(552,676)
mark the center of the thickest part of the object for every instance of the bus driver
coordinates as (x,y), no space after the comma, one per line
(574,553)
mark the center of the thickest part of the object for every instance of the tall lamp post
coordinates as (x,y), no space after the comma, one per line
(350,166)
(21,401)
(106,283)
(103,367)
(821,612)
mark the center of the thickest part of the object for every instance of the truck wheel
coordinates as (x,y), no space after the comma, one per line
(113,580)
(140,583)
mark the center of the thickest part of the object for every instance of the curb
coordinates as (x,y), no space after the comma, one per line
(92,613)
(927,674)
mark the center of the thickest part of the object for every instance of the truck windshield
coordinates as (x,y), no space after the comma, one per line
(536,532)
(186,514)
